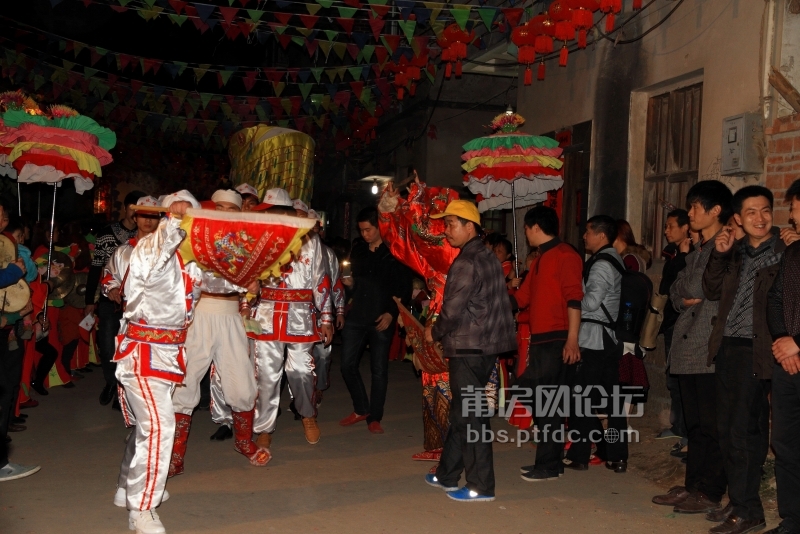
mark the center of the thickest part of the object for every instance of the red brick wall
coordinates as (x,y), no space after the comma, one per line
(783,161)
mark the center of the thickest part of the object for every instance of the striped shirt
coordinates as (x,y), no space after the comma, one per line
(740,318)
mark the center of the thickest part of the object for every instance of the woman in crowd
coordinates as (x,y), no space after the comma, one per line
(635,256)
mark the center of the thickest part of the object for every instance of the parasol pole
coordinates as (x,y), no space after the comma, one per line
(39,205)
(514,222)
(50,246)
(19,200)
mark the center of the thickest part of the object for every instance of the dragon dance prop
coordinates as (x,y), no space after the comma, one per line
(511,169)
(50,144)
(267,157)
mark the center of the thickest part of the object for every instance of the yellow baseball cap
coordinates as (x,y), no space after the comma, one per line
(461,208)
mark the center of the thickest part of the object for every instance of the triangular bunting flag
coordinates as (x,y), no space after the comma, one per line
(367,51)
(405,7)
(254,14)
(347,24)
(460,13)
(435,9)
(309,21)
(177,5)
(223,77)
(278,87)
(325,3)
(340,49)
(325,46)
(512,15)
(408,27)
(347,12)
(391,42)
(149,14)
(377,27)
(283,18)
(311,45)
(204,11)
(487,15)
(357,87)
(305,89)
(200,71)
(178,19)
(228,13)
(423,15)
(317,72)
(313,8)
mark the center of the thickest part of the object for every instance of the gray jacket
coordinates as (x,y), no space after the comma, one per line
(602,286)
(476,318)
(689,352)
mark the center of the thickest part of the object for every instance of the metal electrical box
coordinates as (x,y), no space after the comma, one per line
(740,136)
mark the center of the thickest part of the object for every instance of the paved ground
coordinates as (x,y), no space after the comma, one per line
(351,481)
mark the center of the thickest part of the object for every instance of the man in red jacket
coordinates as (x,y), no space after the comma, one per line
(554,285)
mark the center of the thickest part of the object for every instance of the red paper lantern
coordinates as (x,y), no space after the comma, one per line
(400,82)
(454,42)
(583,17)
(564,28)
(610,8)
(524,38)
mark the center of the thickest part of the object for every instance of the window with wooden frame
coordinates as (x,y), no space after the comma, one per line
(494,220)
(671,158)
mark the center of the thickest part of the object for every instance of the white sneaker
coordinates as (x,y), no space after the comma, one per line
(145,522)
(121,498)
(14,471)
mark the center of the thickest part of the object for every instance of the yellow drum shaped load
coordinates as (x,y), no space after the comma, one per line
(268,156)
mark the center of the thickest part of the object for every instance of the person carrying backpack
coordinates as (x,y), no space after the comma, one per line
(598,369)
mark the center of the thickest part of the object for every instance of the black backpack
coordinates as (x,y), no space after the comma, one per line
(637,290)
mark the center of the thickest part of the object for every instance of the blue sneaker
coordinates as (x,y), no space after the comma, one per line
(467,495)
(431,479)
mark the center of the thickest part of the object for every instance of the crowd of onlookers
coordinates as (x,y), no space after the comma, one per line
(731,326)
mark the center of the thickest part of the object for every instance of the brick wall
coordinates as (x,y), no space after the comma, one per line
(783,161)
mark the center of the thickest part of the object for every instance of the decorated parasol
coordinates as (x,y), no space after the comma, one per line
(268,157)
(50,144)
(511,169)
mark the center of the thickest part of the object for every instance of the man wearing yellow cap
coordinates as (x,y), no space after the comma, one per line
(474,326)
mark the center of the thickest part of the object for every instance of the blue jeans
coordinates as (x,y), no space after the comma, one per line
(354,339)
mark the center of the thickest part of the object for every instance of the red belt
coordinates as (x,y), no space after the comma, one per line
(153,334)
(287,295)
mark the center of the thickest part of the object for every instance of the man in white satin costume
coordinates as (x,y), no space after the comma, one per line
(160,294)
(286,311)
(217,335)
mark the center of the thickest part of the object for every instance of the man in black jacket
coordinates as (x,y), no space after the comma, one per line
(108,312)
(376,278)
(739,274)
(783,316)
(676,231)
(474,326)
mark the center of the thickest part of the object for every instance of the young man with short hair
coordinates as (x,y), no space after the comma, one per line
(109,313)
(784,325)
(705,483)
(600,350)
(474,326)
(376,277)
(676,232)
(739,274)
(554,286)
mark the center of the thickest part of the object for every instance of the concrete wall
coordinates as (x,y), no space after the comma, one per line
(717,42)
(460,116)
